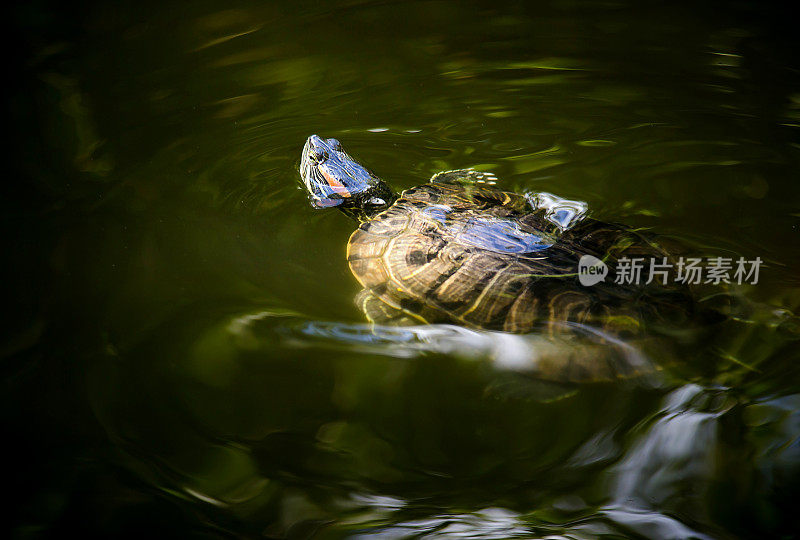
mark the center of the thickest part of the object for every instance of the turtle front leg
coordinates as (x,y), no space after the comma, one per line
(464,177)
(379,312)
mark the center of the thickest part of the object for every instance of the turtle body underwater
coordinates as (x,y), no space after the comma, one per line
(459,250)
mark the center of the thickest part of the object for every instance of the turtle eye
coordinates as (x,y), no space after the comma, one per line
(320,157)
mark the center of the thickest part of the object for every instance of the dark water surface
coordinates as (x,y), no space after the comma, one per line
(181,352)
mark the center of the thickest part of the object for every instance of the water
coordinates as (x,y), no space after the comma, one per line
(182,352)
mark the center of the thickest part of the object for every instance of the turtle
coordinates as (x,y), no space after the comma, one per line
(461,250)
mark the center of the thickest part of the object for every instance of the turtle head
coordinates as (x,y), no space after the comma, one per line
(333,178)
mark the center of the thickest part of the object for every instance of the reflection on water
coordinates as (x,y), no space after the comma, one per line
(564,213)
(387,430)
(675,455)
(184,348)
(486,523)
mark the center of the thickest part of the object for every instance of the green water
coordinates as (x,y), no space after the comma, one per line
(182,355)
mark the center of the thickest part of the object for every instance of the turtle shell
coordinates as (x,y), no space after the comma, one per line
(484,258)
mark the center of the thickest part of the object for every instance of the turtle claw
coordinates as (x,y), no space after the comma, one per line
(464,176)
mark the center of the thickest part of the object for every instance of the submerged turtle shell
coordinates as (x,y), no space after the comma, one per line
(481,257)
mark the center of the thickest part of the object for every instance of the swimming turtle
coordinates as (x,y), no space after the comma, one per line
(460,250)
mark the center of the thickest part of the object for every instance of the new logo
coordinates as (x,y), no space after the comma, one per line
(591,270)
